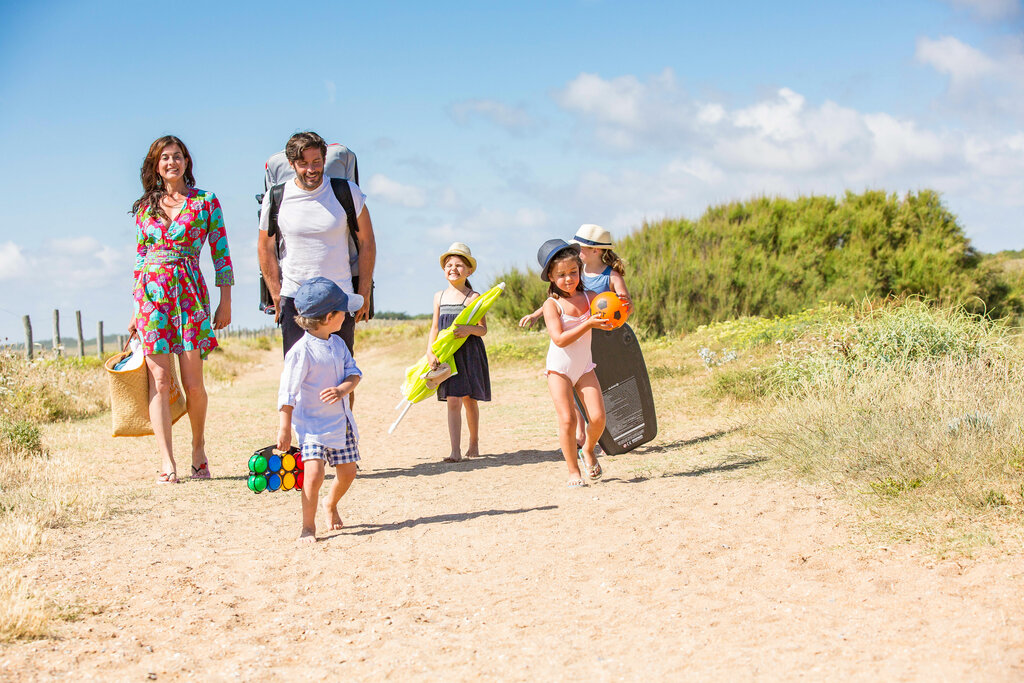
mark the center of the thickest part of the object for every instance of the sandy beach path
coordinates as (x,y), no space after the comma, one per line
(493,569)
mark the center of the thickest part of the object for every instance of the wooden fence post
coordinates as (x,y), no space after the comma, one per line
(28,337)
(120,342)
(99,339)
(81,337)
(56,332)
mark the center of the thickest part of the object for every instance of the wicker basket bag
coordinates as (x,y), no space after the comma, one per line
(129,394)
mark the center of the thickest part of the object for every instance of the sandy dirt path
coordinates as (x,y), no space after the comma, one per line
(492,568)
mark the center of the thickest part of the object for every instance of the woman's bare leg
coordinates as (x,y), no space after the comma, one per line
(196,401)
(158,367)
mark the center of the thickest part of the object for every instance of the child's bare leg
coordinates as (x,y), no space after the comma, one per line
(473,422)
(345,474)
(593,401)
(561,396)
(455,428)
(581,434)
(312,481)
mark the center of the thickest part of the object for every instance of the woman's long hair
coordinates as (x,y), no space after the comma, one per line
(153,189)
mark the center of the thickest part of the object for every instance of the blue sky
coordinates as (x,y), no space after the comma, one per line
(497,124)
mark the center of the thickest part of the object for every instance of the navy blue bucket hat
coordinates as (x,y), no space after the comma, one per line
(549,250)
(319,296)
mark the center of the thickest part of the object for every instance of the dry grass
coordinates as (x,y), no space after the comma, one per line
(913,409)
(47,486)
(935,450)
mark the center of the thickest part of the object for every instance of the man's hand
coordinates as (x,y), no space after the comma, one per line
(364,312)
(367,260)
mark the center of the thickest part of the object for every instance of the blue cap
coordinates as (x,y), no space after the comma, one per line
(319,296)
(548,250)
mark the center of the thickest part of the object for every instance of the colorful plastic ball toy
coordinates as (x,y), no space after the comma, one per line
(258,464)
(257,483)
(610,307)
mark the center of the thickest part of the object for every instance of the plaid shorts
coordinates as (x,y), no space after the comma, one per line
(333,456)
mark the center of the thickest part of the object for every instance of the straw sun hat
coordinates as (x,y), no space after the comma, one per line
(460,249)
(590,235)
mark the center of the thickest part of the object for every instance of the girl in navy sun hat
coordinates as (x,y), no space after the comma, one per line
(569,365)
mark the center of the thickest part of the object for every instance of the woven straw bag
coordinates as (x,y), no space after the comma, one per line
(129,397)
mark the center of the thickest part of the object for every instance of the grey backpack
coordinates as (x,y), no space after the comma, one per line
(340,164)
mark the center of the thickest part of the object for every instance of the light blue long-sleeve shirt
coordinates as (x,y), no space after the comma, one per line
(311,366)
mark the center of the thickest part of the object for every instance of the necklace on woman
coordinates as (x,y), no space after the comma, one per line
(169,204)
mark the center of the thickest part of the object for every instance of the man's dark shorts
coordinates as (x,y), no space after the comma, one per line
(292,333)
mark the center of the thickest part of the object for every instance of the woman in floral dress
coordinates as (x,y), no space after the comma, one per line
(172,306)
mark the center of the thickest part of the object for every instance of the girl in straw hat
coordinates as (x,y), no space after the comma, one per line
(472,383)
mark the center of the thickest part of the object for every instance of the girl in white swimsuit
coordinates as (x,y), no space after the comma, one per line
(569,364)
(573,360)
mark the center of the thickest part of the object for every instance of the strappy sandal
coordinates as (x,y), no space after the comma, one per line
(592,472)
(576,484)
(167,478)
(201,472)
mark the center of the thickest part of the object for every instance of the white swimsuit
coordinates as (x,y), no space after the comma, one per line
(573,360)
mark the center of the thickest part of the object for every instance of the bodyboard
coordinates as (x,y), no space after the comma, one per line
(626,388)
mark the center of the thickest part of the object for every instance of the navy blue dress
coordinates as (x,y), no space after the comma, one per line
(474,378)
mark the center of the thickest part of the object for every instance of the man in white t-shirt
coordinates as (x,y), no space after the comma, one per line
(314,239)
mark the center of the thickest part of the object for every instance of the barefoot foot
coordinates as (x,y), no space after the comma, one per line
(307,536)
(333,518)
(454,457)
(473,451)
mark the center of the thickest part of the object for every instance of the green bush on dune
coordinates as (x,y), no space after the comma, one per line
(773,257)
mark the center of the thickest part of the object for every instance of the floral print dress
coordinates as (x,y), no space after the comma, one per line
(172,304)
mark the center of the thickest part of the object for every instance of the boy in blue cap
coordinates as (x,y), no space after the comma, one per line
(319,374)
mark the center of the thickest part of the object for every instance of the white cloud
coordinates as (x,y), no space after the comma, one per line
(13,264)
(990,10)
(982,85)
(515,120)
(785,145)
(79,263)
(394,192)
(782,133)
(628,113)
(82,263)
(332,91)
(962,63)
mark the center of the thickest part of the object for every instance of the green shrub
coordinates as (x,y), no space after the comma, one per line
(21,436)
(770,257)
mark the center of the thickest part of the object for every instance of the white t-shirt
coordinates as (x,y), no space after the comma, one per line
(314,235)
